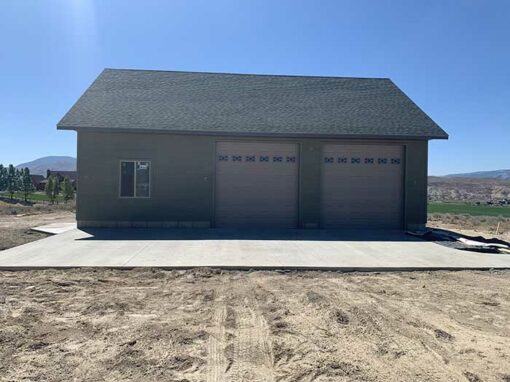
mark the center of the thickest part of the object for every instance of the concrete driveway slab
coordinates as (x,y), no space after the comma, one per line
(305,249)
(55,228)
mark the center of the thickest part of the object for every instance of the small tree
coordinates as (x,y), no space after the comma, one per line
(12,181)
(67,189)
(3,178)
(56,189)
(19,180)
(48,187)
(52,188)
(26,183)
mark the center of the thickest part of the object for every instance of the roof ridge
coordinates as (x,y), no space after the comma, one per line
(246,74)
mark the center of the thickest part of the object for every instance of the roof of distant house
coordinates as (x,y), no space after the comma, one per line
(36,178)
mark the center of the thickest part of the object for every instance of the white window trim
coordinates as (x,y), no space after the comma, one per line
(134,179)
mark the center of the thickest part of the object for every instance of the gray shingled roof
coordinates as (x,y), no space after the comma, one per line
(213,103)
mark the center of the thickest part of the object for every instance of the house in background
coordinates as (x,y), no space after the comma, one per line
(163,148)
(60,175)
(38,182)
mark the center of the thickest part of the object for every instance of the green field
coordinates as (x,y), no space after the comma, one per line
(468,209)
(35,197)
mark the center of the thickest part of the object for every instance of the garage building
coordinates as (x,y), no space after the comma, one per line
(186,149)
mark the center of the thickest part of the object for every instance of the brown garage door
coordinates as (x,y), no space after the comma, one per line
(256,184)
(362,186)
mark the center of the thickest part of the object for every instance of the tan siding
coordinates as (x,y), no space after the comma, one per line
(183,177)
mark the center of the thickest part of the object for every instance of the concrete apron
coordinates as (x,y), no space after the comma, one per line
(244,249)
(55,228)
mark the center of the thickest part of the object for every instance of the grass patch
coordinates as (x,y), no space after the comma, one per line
(468,209)
(35,196)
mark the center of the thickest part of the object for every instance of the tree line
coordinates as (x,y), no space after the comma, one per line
(13,180)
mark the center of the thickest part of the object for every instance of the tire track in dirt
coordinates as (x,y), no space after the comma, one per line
(305,349)
(216,360)
(252,354)
(395,338)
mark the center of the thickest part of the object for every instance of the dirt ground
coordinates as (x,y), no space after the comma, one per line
(487,226)
(208,325)
(17,219)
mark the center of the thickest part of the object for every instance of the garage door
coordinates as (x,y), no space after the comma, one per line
(256,184)
(362,186)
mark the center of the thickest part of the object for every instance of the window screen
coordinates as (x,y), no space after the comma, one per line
(142,179)
(135,179)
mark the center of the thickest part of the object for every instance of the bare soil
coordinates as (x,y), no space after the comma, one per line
(486,226)
(17,219)
(208,325)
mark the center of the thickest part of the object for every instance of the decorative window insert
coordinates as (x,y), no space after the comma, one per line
(382,161)
(223,158)
(237,158)
(369,160)
(355,160)
(277,159)
(135,179)
(264,158)
(249,158)
(395,160)
(291,159)
(341,160)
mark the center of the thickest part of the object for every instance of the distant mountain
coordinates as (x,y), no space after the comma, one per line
(41,165)
(497,174)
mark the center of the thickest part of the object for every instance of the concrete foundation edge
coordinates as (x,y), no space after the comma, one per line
(142,224)
(276,268)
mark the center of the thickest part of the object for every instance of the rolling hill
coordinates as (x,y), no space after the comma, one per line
(39,166)
(441,188)
(496,174)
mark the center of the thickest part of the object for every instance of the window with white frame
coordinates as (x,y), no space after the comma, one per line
(135,179)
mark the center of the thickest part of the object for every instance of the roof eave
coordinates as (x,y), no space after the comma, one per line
(250,134)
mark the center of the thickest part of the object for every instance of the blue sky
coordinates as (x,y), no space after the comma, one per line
(451,57)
